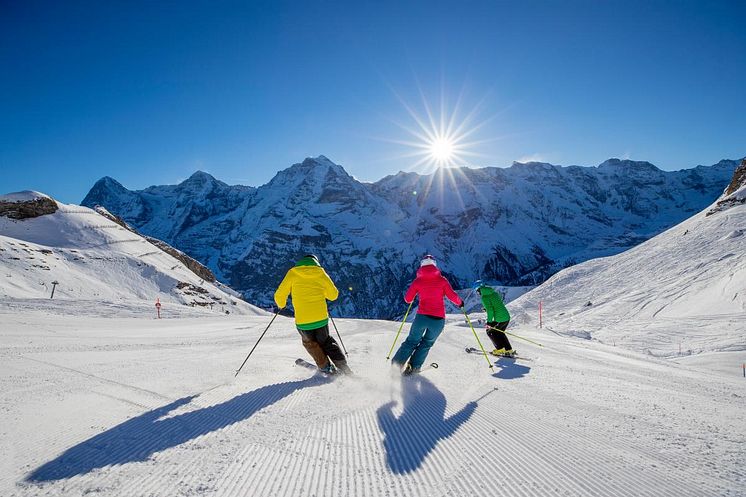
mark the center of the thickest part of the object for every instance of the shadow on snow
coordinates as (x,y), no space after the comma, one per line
(139,438)
(510,369)
(409,438)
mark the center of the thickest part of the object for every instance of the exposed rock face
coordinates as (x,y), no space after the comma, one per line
(735,193)
(514,226)
(739,179)
(26,205)
(194,266)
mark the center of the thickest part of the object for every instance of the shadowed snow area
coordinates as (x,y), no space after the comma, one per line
(139,438)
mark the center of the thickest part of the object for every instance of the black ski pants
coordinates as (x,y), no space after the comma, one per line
(322,347)
(499,339)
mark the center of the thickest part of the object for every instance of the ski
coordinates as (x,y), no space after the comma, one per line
(305,364)
(472,350)
(432,365)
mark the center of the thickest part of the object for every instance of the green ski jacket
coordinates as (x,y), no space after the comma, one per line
(493,303)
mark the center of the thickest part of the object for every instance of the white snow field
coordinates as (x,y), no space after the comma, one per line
(679,294)
(123,406)
(94,259)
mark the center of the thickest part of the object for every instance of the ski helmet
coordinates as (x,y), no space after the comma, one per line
(428,260)
(312,256)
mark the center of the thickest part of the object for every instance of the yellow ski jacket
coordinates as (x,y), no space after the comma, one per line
(309,287)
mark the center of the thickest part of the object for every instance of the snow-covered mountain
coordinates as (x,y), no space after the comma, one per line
(513,226)
(682,292)
(93,257)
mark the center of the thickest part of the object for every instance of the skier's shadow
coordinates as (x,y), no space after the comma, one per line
(510,369)
(140,437)
(409,438)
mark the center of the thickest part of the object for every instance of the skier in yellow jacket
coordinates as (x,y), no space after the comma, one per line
(310,287)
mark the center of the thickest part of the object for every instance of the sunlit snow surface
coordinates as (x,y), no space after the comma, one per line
(124,406)
(100,398)
(683,292)
(94,259)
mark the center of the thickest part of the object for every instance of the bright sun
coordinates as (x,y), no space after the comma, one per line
(441,137)
(441,150)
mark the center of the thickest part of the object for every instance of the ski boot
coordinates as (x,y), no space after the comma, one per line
(498,352)
(329,370)
(409,370)
(509,353)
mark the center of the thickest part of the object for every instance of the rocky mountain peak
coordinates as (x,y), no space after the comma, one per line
(624,165)
(312,174)
(110,184)
(201,181)
(107,190)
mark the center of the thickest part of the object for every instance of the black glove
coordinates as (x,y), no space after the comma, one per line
(461,305)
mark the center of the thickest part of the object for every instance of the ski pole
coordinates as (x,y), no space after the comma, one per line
(257,343)
(516,336)
(400,327)
(478,340)
(340,336)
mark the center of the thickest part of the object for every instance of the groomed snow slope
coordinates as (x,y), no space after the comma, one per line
(680,293)
(96,260)
(135,407)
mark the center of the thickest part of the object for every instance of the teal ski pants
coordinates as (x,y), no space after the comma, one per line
(422,335)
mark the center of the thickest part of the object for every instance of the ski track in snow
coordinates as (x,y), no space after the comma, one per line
(156,412)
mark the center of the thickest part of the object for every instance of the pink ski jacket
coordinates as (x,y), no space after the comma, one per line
(431,286)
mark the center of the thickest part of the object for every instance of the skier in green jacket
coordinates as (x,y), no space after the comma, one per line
(497,320)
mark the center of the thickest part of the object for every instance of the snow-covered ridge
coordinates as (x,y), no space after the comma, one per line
(511,226)
(24,196)
(82,255)
(682,292)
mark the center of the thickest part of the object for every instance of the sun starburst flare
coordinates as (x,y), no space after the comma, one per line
(442,137)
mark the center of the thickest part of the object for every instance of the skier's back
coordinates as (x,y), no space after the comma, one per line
(431,287)
(310,287)
(498,319)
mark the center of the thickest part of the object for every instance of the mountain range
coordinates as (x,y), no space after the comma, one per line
(513,226)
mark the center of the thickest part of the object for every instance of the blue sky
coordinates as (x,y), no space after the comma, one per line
(150,92)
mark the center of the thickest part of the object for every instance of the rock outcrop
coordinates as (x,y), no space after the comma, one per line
(26,205)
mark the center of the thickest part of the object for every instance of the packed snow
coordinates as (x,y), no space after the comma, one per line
(126,406)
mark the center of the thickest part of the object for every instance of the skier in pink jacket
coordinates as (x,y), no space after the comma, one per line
(431,287)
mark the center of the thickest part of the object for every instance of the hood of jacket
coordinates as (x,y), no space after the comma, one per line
(428,273)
